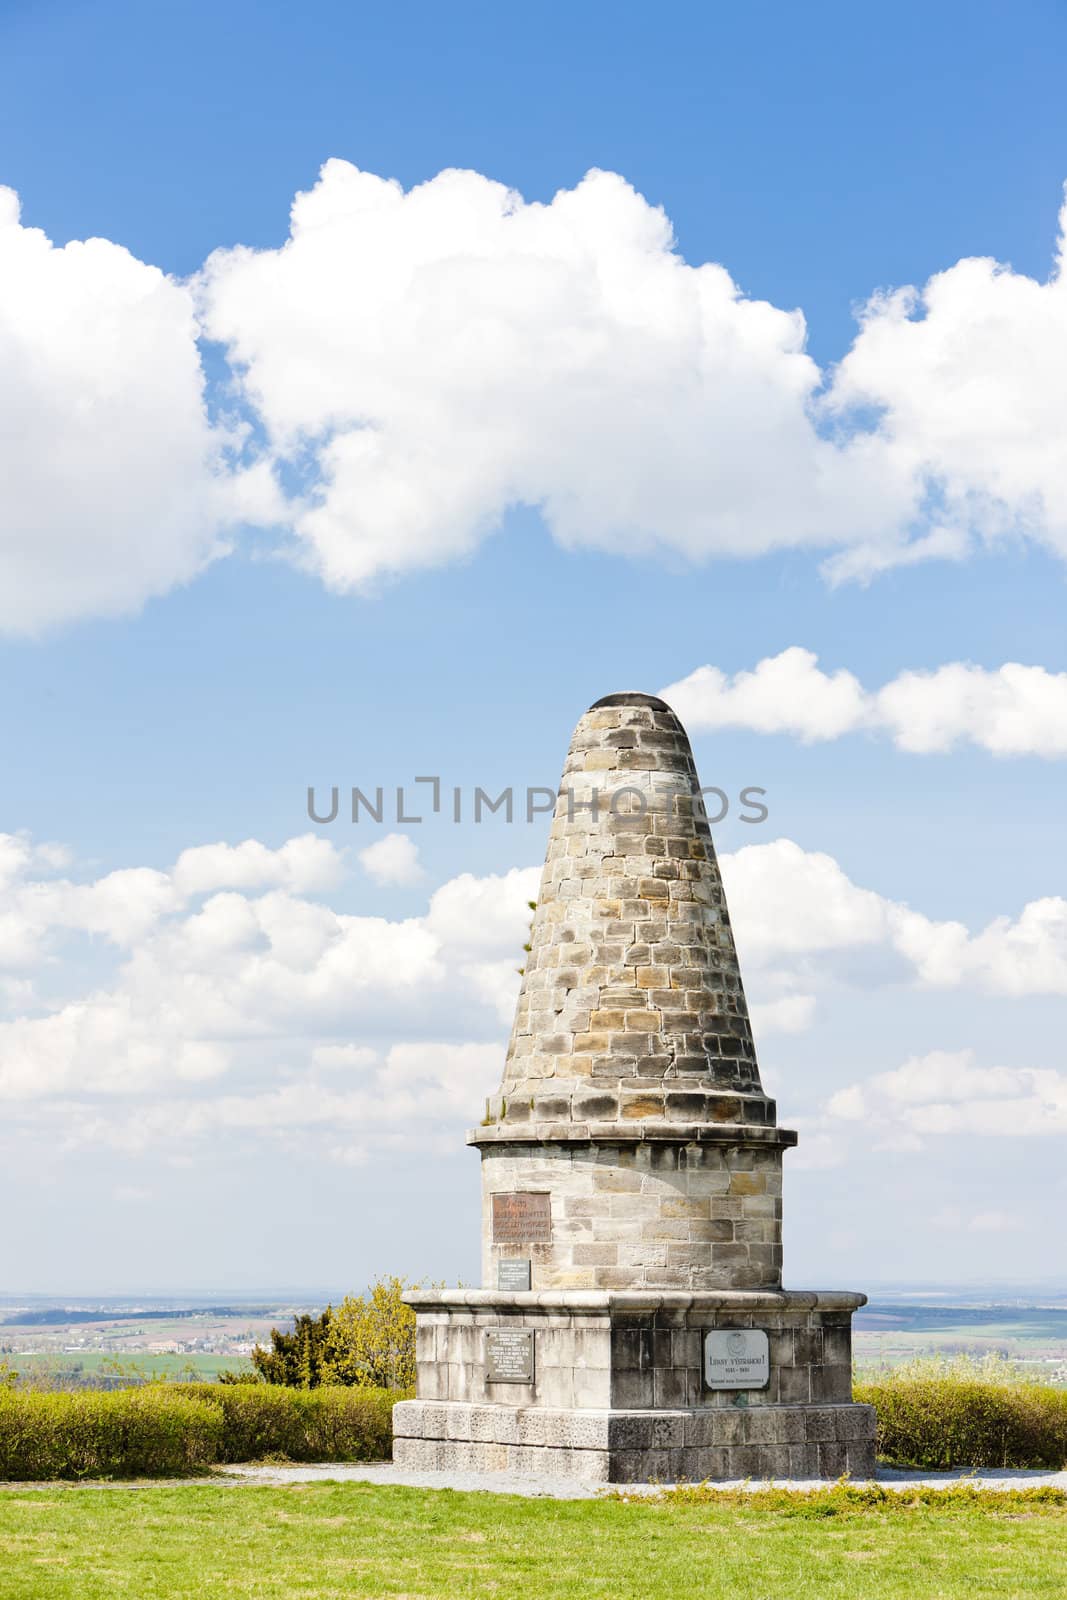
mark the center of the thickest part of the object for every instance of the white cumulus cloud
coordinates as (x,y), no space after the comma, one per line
(116,486)
(945,1092)
(451,351)
(393,859)
(1011,710)
(409,1094)
(794,910)
(304,865)
(787,693)
(419,362)
(445,353)
(232,973)
(481,916)
(787,1013)
(966,376)
(239,1002)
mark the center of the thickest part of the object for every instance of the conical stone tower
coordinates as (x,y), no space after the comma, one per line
(631,1323)
(631,1091)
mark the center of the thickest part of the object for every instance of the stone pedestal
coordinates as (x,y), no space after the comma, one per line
(632,1177)
(682,1205)
(618,1393)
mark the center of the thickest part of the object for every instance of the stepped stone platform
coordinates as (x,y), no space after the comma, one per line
(617,1391)
(632,1322)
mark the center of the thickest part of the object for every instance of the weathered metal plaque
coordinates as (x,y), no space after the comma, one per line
(513,1274)
(523,1218)
(509,1355)
(736,1358)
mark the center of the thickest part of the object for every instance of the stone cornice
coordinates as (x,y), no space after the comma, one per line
(633,1133)
(609,1300)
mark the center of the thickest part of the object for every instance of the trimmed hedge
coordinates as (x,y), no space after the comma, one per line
(930,1415)
(325,1424)
(129,1433)
(958,1417)
(171,1429)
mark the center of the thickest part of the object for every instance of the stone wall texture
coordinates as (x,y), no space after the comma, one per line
(652,1214)
(632,982)
(786,1442)
(631,1093)
(618,1394)
(633,1161)
(639,1356)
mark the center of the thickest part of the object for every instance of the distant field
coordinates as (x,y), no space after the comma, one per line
(891,1333)
(1016,1321)
(102,1341)
(887,1332)
(132,1362)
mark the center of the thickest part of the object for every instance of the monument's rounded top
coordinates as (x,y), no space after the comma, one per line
(630,697)
(631,991)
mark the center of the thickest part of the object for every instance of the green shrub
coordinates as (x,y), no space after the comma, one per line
(295,1359)
(154,1431)
(966,1413)
(370,1341)
(366,1341)
(324,1424)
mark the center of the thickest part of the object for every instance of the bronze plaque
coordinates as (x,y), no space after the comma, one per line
(524,1218)
(509,1355)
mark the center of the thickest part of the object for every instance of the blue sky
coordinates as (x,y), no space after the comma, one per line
(154,707)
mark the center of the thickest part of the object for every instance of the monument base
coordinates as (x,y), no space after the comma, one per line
(636,1446)
(626,1387)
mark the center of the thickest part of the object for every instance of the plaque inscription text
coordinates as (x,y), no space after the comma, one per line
(509,1355)
(736,1358)
(512,1274)
(523,1218)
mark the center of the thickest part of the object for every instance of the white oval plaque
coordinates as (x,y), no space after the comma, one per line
(736,1358)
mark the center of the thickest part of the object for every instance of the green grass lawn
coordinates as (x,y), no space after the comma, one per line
(325,1540)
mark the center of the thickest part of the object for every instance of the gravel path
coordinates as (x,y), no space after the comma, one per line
(562,1489)
(384,1473)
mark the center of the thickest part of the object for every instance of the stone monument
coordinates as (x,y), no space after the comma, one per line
(632,1323)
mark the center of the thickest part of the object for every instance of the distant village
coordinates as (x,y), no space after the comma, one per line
(88,1340)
